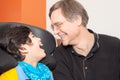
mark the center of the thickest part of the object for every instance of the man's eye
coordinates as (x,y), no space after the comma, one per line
(59,24)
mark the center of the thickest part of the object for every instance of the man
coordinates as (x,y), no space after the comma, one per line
(83,54)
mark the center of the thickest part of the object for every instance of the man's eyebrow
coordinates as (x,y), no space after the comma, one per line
(56,23)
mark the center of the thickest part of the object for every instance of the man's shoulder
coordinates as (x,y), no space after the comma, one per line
(109,38)
(62,50)
(109,41)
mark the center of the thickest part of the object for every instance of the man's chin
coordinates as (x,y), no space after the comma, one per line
(64,43)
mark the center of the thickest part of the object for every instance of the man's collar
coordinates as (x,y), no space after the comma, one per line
(96,44)
(94,48)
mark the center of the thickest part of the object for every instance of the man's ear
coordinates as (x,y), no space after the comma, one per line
(78,20)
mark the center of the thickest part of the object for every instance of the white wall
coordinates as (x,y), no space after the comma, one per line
(104,15)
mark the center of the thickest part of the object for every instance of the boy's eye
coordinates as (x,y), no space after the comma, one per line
(32,35)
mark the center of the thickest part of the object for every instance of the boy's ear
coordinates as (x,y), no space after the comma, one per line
(23,49)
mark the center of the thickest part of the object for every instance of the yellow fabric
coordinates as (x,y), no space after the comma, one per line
(9,75)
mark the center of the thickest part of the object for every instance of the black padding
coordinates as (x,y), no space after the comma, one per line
(6,61)
(47,39)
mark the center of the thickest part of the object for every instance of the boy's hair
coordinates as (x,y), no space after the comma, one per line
(12,37)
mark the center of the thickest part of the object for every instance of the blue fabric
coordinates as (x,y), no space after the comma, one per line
(21,74)
(41,72)
(51,77)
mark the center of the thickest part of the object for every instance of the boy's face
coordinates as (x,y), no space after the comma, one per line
(34,50)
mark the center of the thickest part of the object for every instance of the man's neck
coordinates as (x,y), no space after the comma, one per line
(85,45)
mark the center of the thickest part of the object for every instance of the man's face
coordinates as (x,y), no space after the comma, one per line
(66,30)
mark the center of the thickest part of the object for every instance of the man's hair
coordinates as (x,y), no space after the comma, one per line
(70,10)
(12,37)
